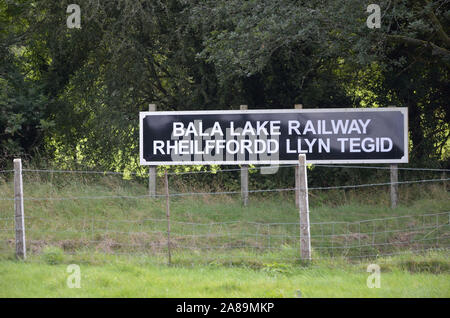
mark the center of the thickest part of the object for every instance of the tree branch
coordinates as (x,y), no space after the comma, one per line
(438,26)
(437,50)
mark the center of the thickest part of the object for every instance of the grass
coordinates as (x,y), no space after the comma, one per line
(123,225)
(219,248)
(134,276)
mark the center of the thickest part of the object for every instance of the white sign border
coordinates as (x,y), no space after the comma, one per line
(403,110)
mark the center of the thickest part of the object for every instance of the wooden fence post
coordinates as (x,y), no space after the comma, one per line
(244,176)
(152,169)
(444,177)
(394,185)
(297,106)
(305,237)
(19,214)
(166,182)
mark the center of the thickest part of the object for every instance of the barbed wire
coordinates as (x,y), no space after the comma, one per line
(224,192)
(380,236)
(235,222)
(81,172)
(383,168)
(230,170)
(431,248)
(255,245)
(92,218)
(163,220)
(228,234)
(224,259)
(145,176)
(360,238)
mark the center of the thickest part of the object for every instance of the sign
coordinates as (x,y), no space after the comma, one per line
(341,135)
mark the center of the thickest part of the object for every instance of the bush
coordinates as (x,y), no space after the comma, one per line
(53,255)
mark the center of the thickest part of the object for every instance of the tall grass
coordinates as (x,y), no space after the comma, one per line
(211,227)
(104,275)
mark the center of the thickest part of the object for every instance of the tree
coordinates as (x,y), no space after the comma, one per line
(23,117)
(92,82)
(324,49)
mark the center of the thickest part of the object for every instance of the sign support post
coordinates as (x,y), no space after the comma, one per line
(166,184)
(244,176)
(297,106)
(305,237)
(19,215)
(394,185)
(152,169)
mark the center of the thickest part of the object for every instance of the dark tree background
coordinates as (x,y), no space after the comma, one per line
(71,97)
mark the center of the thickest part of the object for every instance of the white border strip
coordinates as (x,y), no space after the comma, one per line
(403,110)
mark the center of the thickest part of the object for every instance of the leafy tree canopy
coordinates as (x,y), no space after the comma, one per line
(75,94)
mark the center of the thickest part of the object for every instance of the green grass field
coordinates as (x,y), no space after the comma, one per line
(221,249)
(113,276)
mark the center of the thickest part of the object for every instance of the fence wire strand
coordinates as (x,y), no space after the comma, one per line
(251,168)
(180,194)
(229,239)
(352,239)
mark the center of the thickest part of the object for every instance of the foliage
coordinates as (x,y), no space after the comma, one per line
(74,94)
(53,255)
(23,116)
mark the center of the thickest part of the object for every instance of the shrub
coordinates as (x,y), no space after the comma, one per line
(53,255)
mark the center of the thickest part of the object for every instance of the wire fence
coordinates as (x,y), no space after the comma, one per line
(355,239)
(224,239)
(224,192)
(231,170)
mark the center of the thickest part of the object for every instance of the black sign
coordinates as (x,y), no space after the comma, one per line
(351,135)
